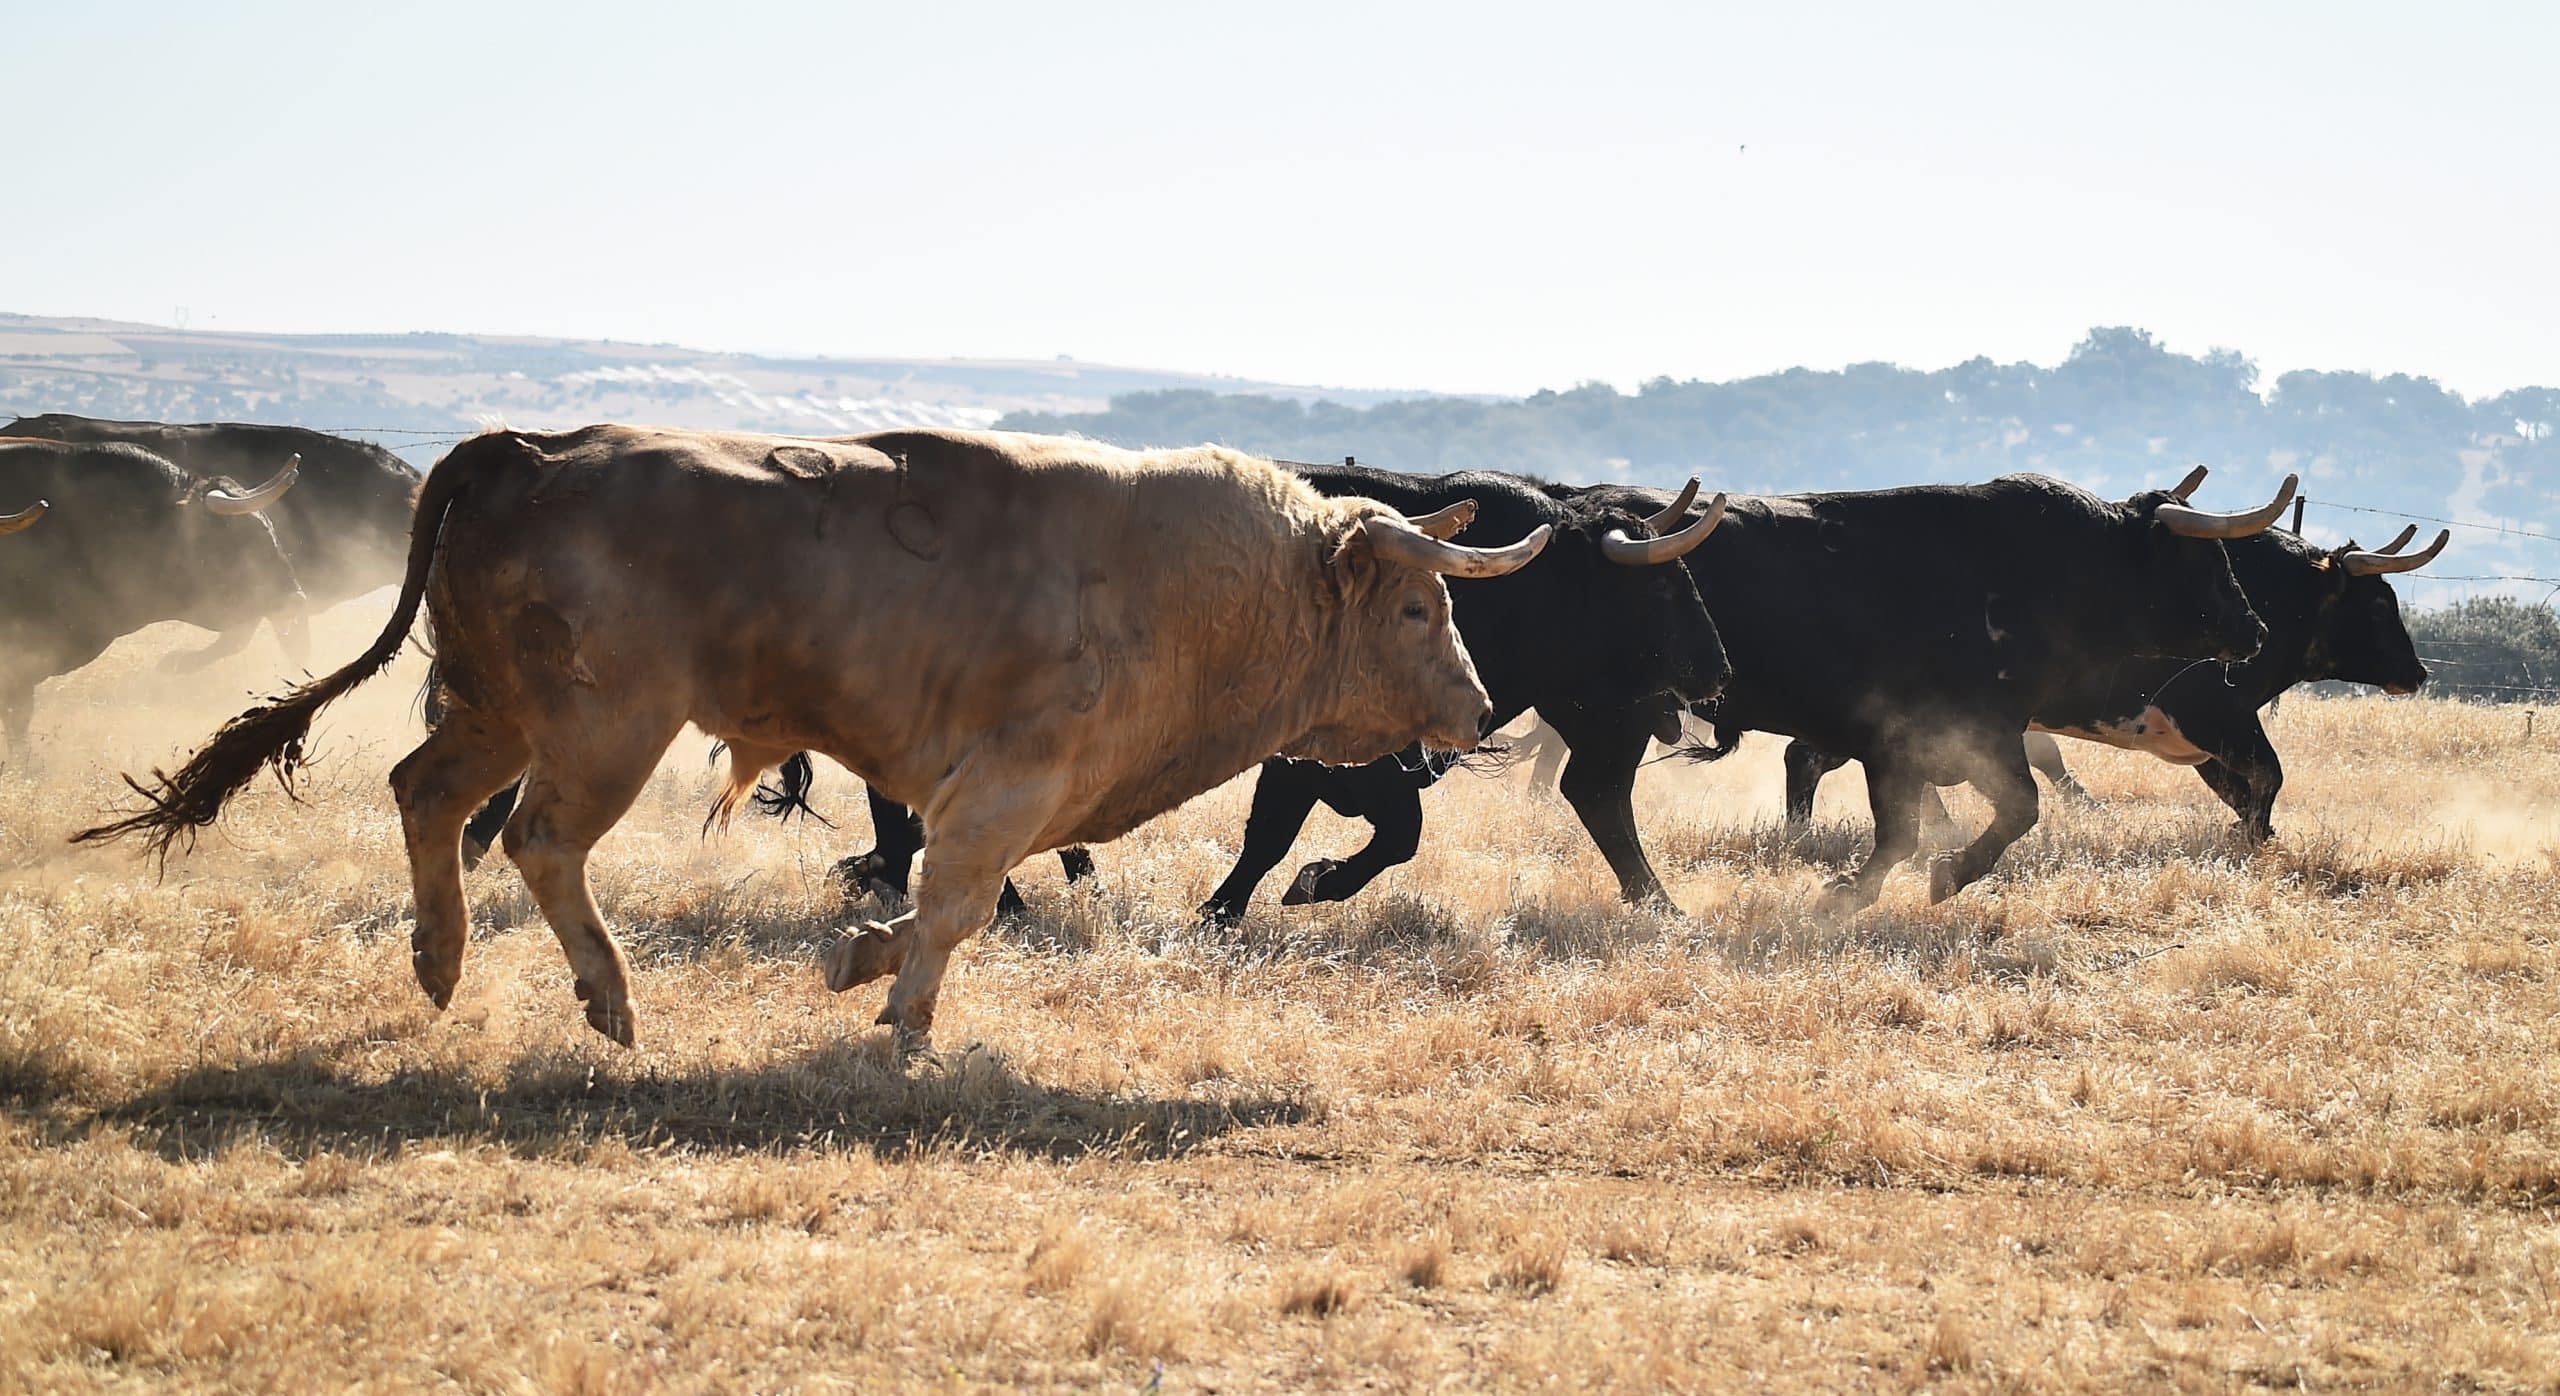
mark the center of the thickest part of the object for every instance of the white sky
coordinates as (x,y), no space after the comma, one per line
(1465,197)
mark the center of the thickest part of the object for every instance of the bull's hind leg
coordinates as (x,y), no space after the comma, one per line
(587,771)
(2003,777)
(436,787)
(1893,795)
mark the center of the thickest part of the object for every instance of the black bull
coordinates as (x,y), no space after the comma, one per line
(127,540)
(2329,615)
(1603,643)
(1918,630)
(344,524)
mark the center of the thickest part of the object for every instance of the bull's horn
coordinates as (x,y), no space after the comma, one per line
(1444,524)
(2200,523)
(2395,544)
(222,501)
(1670,518)
(2187,486)
(1616,546)
(1398,541)
(2384,563)
(24,518)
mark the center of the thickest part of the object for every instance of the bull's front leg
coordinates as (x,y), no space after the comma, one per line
(983,824)
(1599,782)
(897,837)
(481,834)
(2247,774)
(1284,794)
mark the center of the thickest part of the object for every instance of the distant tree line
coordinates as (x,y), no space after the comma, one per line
(2491,649)
(2120,413)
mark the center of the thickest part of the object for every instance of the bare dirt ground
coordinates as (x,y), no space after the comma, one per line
(2143,1110)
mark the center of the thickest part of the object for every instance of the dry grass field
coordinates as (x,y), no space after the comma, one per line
(2140,1111)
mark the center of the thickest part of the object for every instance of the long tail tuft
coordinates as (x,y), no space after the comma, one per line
(175,807)
(271,734)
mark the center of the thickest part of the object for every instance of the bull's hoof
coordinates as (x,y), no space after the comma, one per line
(910,1039)
(1220,913)
(866,875)
(1842,896)
(437,974)
(607,1012)
(1308,885)
(875,952)
(2251,836)
(1652,901)
(1943,878)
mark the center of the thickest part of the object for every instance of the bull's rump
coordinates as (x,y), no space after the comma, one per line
(895,612)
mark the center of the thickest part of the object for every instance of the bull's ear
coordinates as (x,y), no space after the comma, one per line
(1351,561)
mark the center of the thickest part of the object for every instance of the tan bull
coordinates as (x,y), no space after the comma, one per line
(1034,641)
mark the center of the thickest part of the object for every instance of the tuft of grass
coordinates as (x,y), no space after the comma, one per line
(1532,1265)
(1426,1263)
(1318,1293)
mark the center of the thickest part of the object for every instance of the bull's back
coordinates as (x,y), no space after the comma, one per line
(1854,611)
(793,592)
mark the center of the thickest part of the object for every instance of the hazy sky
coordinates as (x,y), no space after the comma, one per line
(1469,197)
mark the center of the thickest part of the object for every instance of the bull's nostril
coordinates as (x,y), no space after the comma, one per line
(1484,722)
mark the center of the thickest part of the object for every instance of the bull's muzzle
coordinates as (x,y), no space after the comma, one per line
(2242,644)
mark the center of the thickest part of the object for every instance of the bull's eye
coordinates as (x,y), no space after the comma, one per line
(1415,610)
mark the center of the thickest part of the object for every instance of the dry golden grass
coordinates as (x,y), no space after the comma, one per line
(2141,1110)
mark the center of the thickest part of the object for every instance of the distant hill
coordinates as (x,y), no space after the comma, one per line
(415,391)
(2121,413)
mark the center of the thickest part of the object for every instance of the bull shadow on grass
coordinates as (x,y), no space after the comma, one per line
(843,1097)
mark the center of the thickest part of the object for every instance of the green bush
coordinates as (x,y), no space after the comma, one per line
(2491,649)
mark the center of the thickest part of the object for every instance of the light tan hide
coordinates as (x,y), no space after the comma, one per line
(1033,641)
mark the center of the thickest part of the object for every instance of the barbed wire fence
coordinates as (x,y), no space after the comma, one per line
(2463,674)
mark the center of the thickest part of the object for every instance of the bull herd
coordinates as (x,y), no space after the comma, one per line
(1027,643)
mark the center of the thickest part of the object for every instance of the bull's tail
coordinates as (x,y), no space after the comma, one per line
(271,734)
(1725,741)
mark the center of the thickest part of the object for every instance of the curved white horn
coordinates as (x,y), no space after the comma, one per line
(2187,486)
(1670,518)
(1398,541)
(1616,546)
(2202,523)
(2383,563)
(224,502)
(24,518)
(2398,543)
(1445,524)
